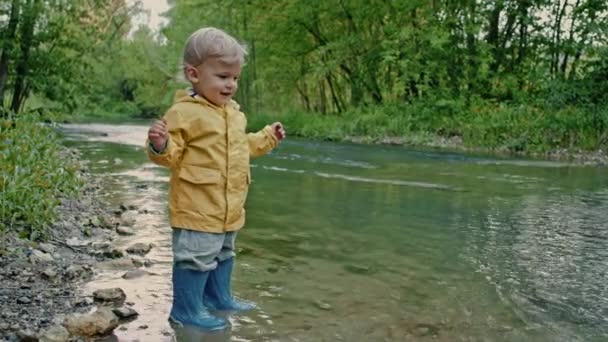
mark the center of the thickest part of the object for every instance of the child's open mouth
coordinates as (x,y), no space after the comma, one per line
(226,94)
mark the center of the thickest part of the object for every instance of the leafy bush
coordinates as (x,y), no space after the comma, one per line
(35,172)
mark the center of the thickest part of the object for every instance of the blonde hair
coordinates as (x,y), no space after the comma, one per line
(209,42)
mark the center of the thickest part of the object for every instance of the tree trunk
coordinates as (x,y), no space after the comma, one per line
(30,16)
(7,47)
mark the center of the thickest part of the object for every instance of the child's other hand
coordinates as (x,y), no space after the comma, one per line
(278,130)
(157,134)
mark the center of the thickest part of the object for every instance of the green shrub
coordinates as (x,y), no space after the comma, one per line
(35,172)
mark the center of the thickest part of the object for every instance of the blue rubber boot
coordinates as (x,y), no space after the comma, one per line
(218,295)
(188,307)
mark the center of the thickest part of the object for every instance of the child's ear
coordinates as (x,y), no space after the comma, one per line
(192,74)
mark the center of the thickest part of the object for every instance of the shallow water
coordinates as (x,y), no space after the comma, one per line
(349,242)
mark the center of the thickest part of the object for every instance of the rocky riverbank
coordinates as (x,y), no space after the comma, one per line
(39,281)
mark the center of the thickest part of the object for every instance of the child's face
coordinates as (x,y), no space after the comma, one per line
(216,80)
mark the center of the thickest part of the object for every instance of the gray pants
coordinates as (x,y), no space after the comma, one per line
(201,251)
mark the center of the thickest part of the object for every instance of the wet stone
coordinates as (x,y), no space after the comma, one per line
(47,248)
(50,273)
(40,257)
(56,333)
(358,269)
(27,336)
(83,302)
(114,296)
(113,253)
(24,300)
(133,274)
(139,248)
(125,231)
(322,305)
(137,262)
(125,312)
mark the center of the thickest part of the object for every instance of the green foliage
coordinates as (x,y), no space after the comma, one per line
(515,75)
(34,175)
(485,124)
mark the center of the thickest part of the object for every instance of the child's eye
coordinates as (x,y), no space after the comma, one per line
(222,76)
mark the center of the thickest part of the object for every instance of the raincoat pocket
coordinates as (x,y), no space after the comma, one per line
(199,175)
(200,192)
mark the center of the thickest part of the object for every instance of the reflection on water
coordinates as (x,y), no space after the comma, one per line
(355,243)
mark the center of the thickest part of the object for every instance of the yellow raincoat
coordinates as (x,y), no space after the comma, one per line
(208,153)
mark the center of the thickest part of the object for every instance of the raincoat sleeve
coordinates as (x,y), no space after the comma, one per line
(171,155)
(262,142)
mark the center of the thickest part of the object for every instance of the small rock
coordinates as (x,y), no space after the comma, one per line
(50,273)
(86,301)
(113,253)
(40,257)
(76,242)
(129,218)
(137,262)
(56,333)
(323,305)
(139,248)
(23,300)
(359,269)
(75,272)
(94,221)
(27,336)
(125,231)
(46,247)
(106,222)
(114,296)
(142,327)
(100,322)
(125,312)
(133,274)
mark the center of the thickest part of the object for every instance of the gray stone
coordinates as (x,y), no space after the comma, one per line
(125,231)
(40,257)
(125,312)
(50,273)
(101,322)
(115,296)
(323,305)
(27,336)
(139,248)
(56,333)
(133,274)
(46,247)
(76,242)
(24,300)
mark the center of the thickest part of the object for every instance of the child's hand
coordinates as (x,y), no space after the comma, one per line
(278,130)
(157,134)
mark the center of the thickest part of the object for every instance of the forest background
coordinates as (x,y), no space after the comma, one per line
(515,75)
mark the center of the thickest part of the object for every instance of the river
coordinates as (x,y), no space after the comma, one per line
(348,242)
